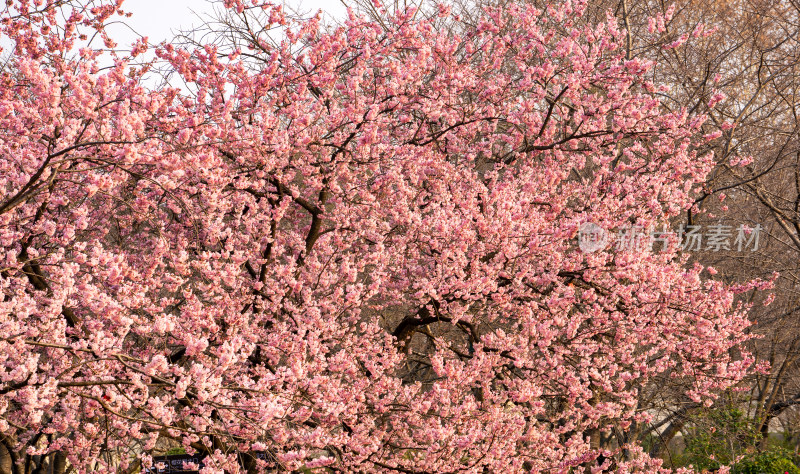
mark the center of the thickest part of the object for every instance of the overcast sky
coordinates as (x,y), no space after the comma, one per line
(157,18)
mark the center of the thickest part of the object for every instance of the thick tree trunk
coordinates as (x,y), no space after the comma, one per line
(6,463)
(678,419)
(661,444)
(59,463)
(771,412)
(7,452)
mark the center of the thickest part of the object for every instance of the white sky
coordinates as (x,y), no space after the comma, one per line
(156,19)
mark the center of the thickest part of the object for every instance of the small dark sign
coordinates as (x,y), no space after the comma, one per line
(174,464)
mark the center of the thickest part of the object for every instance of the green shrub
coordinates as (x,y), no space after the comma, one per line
(719,437)
(173,451)
(774,461)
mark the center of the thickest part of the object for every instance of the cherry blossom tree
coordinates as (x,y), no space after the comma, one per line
(349,248)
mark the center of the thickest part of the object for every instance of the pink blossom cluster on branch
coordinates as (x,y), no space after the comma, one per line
(352,248)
